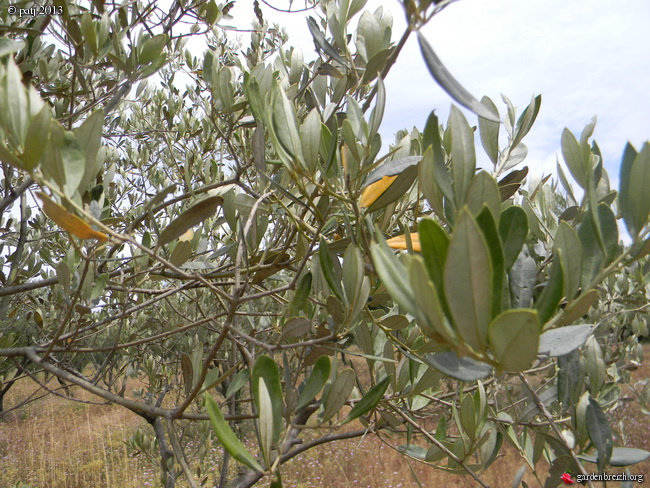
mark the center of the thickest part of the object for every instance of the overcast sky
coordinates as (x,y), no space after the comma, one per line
(585,57)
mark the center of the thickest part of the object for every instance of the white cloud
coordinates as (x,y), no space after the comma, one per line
(585,57)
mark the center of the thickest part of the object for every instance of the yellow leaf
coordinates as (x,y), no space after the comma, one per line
(374,191)
(399,242)
(68,221)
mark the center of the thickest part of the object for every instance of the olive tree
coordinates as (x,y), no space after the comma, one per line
(221,243)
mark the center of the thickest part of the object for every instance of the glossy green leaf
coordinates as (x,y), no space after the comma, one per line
(88,30)
(483,191)
(352,271)
(485,221)
(624,196)
(547,303)
(194,215)
(212,13)
(285,127)
(152,49)
(255,100)
(434,242)
(214,377)
(428,185)
(579,307)
(36,139)
(317,379)
(468,281)
(593,258)
(463,369)
(448,83)
(592,206)
(355,118)
(513,230)
(467,414)
(238,382)
(463,156)
(526,120)
(609,231)
(328,269)
(567,248)
(595,365)
(377,114)
(227,437)
(15,105)
(393,275)
(561,341)
(599,432)
(441,175)
(310,140)
(489,131)
(89,135)
(635,204)
(429,310)
(267,369)
(74,163)
(338,393)
(369,400)
(302,293)
(514,339)
(574,158)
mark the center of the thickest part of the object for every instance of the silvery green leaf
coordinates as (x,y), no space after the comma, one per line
(463,155)
(321,42)
(489,131)
(622,456)
(463,369)
(7,46)
(561,341)
(448,83)
(599,432)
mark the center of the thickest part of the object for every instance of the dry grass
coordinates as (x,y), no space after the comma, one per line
(53,443)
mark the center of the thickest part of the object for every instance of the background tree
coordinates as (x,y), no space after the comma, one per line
(224,244)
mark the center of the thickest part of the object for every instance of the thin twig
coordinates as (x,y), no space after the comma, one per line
(554,427)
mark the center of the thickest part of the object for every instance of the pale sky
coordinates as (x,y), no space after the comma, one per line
(585,57)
